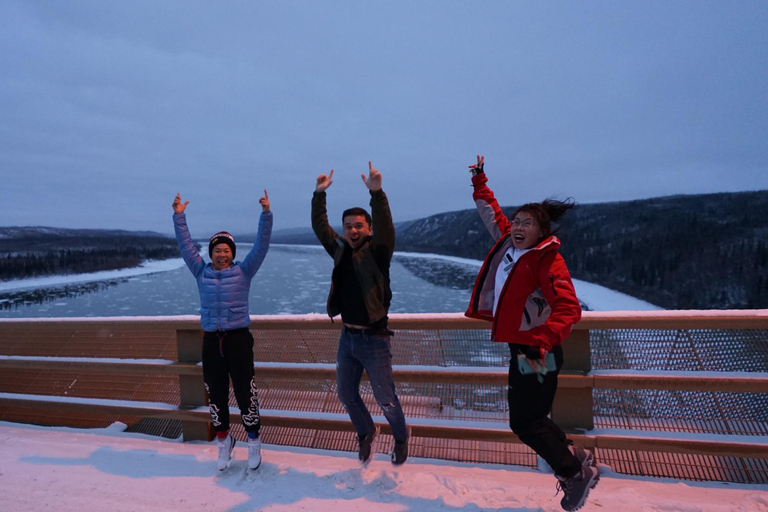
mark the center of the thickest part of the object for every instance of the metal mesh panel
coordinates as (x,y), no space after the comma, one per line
(682,411)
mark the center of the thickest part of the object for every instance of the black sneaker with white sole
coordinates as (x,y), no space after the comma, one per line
(365,452)
(400,452)
(576,488)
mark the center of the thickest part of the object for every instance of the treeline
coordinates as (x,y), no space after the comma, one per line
(684,252)
(30,252)
(679,252)
(74,261)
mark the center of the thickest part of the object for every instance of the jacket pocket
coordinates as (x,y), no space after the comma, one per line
(238,315)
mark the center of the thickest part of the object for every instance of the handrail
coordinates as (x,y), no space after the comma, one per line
(683,319)
(731,382)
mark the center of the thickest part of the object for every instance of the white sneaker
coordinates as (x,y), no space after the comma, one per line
(254,453)
(226,446)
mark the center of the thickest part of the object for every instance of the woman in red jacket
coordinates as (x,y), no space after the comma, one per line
(525,289)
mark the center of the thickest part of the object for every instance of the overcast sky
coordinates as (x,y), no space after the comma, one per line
(107,109)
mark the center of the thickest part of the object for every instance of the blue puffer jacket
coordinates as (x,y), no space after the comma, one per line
(223,293)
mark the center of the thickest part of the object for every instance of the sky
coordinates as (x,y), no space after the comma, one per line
(70,470)
(108,109)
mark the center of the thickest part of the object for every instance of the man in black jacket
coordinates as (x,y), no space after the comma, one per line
(360,292)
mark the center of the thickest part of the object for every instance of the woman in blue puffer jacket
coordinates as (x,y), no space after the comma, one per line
(224,285)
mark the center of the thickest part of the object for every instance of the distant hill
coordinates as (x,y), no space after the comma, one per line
(37,238)
(40,250)
(679,252)
(297,236)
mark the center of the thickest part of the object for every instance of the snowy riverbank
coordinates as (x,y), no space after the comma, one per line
(148,267)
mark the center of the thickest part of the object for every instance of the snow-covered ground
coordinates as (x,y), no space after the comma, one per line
(66,470)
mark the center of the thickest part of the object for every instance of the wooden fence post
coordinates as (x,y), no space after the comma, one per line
(189,344)
(573,406)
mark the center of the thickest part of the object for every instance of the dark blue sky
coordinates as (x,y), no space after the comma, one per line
(107,109)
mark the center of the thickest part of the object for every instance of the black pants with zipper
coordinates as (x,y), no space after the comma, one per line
(230,354)
(530,403)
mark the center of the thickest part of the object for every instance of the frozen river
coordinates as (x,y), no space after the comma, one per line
(294,279)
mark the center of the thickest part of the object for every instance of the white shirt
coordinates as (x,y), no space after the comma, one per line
(502,272)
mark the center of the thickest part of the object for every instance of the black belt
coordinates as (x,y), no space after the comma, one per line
(368,330)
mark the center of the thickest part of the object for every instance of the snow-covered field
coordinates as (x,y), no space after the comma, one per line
(67,470)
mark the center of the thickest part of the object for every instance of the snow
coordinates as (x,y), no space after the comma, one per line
(596,297)
(600,298)
(147,267)
(67,470)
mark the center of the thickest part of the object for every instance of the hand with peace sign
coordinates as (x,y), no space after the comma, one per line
(477,168)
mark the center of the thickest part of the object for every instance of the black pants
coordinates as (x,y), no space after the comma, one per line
(230,354)
(530,402)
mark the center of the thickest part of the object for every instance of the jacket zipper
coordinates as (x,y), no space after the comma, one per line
(484,272)
(504,289)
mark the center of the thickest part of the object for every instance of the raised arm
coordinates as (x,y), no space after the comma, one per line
(186,245)
(487,206)
(258,252)
(381,216)
(323,231)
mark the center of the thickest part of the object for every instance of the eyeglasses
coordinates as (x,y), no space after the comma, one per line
(527,223)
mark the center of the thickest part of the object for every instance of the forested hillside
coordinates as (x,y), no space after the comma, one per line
(679,252)
(35,251)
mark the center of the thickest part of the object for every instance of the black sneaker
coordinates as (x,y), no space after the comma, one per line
(364,452)
(400,452)
(576,489)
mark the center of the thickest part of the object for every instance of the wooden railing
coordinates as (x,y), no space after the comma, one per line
(573,408)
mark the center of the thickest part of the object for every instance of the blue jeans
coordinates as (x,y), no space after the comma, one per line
(369,352)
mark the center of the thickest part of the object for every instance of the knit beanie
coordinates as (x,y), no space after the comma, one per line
(222,237)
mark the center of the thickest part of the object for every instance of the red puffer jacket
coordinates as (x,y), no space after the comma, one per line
(538,305)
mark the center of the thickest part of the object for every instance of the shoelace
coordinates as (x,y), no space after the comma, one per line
(562,485)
